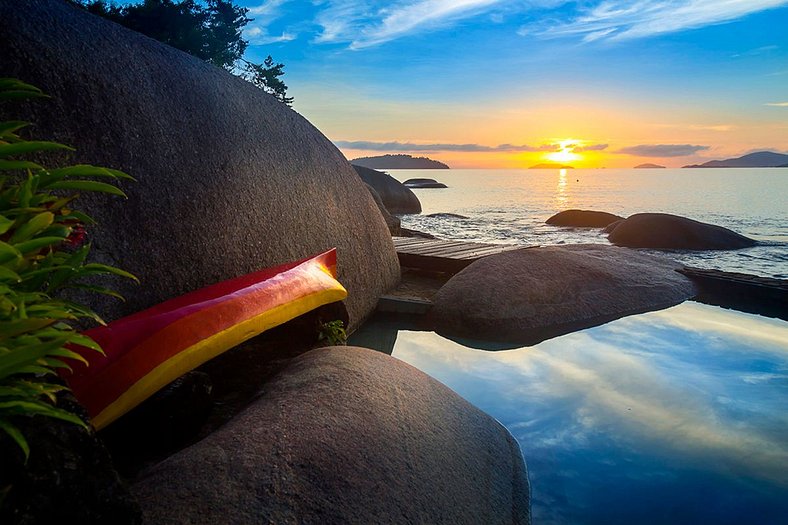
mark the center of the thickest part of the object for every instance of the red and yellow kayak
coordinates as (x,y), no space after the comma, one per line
(147,350)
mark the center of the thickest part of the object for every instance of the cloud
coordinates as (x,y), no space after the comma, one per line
(590,147)
(777,104)
(662,150)
(256,32)
(269,8)
(407,146)
(715,127)
(625,19)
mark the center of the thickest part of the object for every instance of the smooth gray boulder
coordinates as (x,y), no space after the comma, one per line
(345,435)
(672,232)
(424,183)
(525,296)
(583,219)
(229,179)
(396,197)
(394,223)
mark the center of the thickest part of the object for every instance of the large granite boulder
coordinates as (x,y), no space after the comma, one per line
(583,219)
(229,179)
(525,296)
(394,223)
(396,197)
(672,232)
(345,435)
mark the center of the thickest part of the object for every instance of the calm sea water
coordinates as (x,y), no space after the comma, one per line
(510,206)
(671,417)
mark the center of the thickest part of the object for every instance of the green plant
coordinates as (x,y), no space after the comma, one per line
(333,332)
(41,253)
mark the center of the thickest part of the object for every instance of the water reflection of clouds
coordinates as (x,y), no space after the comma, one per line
(647,383)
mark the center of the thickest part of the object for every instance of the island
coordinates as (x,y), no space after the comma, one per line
(399,162)
(551,166)
(648,166)
(759,159)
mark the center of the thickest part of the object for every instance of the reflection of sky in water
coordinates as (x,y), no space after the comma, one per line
(677,416)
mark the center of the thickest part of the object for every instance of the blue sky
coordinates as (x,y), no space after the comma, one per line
(712,74)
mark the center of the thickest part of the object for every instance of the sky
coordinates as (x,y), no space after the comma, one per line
(510,84)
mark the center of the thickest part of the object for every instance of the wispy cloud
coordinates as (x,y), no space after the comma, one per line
(589,147)
(257,32)
(623,19)
(408,146)
(777,104)
(757,51)
(662,150)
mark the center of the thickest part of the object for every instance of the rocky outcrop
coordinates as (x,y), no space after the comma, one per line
(525,296)
(446,216)
(393,223)
(395,196)
(672,232)
(612,226)
(424,183)
(583,218)
(345,435)
(229,180)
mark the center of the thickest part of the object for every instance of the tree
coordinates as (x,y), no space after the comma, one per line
(211,31)
(266,77)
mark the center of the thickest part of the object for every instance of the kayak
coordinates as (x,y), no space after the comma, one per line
(147,350)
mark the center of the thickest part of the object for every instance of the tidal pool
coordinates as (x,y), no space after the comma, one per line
(676,416)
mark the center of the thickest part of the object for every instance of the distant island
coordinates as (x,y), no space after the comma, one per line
(551,166)
(399,162)
(648,165)
(759,159)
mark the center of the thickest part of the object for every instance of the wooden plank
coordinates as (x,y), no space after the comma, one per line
(413,242)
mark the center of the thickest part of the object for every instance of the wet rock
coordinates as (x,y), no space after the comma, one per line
(446,216)
(406,232)
(229,180)
(345,435)
(424,183)
(612,226)
(583,219)
(393,223)
(526,296)
(672,232)
(395,196)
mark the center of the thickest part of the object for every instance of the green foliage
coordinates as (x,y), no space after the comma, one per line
(210,30)
(41,253)
(266,77)
(333,332)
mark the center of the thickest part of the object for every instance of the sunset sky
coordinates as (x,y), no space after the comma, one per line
(484,83)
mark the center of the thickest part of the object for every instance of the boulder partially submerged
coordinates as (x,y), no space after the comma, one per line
(672,232)
(583,219)
(424,183)
(395,196)
(346,435)
(229,180)
(525,296)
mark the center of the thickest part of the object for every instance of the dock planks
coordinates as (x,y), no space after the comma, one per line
(438,255)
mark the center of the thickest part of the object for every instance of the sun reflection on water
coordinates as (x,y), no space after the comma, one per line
(561,195)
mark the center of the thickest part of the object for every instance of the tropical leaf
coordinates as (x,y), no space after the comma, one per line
(32,146)
(6,164)
(34,225)
(86,185)
(17,436)
(11,126)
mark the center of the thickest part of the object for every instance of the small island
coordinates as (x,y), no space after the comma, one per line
(759,159)
(648,166)
(551,166)
(399,162)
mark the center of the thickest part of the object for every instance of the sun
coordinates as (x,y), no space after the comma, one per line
(565,153)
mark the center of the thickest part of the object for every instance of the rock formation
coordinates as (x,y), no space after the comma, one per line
(346,435)
(583,218)
(394,224)
(672,232)
(229,180)
(424,183)
(525,296)
(395,196)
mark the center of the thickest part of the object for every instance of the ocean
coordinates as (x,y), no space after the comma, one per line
(511,206)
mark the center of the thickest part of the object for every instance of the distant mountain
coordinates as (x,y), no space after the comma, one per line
(551,166)
(648,165)
(759,159)
(399,162)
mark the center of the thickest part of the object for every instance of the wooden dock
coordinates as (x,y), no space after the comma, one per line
(438,255)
